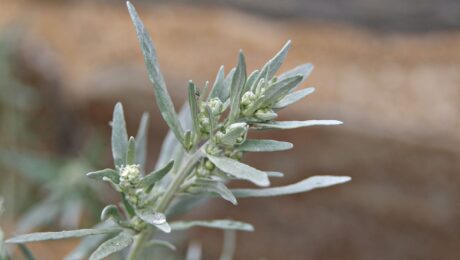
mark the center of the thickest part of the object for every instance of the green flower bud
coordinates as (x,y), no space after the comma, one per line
(209,165)
(248,98)
(215,105)
(233,132)
(265,114)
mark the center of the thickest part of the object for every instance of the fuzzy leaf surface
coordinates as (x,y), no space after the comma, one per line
(293,97)
(240,170)
(295,124)
(119,136)
(308,184)
(261,145)
(219,224)
(113,245)
(162,96)
(40,236)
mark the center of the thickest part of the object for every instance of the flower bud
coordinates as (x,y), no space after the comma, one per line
(130,173)
(265,114)
(248,98)
(215,105)
(233,132)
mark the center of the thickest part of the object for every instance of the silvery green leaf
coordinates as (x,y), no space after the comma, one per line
(240,170)
(108,173)
(233,132)
(113,245)
(39,215)
(272,66)
(219,224)
(280,89)
(293,97)
(88,244)
(163,99)
(275,174)
(157,242)
(302,186)
(71,212)
(218,87)
(295,124)
(238,81)
(229,245)
(212,122)
(131,152)
(194,111)
(157,175)
(194,251)
(202,186)
(119,136)
(260,145)
(170,144)
(28,255)
(141,141)
(110,211)
(41,236)
(152,217)
(304,70)
(225,93)
(251,81)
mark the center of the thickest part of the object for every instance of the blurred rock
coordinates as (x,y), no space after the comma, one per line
(397,94)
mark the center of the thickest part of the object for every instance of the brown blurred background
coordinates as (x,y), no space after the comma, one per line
(389,69)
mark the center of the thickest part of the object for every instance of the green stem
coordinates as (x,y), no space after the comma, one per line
(165,200)
(138,244)
(180,178)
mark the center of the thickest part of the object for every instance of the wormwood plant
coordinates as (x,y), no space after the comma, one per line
(199,157)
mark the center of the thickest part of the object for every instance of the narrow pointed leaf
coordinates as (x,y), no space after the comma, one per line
(280,89)
(225,93)
(88,244)
(39,215)
(275,174)
(40,236)
(152,217)
(194,111)
(250,82)
(295,124)
(141,141)
(157,242)
(113,245)
(131,152)
(28,255)
(304,70)
(119,136)
(240,170)
(293,97)
(272,66)
(155,176)
(308,184)
(239,79)
(219,224)
(219,188)
(218,87)
(170,144)
(109,173)
(163,99)
(260,145)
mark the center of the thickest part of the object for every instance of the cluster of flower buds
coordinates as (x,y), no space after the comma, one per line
(216,107)
(251,106)
(130,177)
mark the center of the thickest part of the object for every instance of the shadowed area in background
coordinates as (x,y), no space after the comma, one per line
(397,94)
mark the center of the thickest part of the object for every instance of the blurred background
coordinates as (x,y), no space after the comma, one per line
(389,69)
